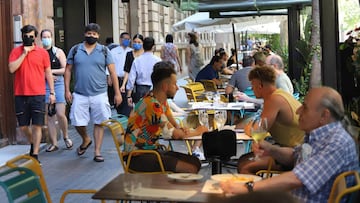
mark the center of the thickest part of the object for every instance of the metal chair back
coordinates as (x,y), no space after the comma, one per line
(341,187)
(118,133)
(22,184)
(32,164)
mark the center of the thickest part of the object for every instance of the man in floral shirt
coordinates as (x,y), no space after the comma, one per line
(152,118)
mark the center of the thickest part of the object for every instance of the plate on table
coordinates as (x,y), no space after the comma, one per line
(243,178)
(185,177)
(239,130)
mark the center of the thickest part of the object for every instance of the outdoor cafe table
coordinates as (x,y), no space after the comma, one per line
(160,183)
(221,106)
(231,106)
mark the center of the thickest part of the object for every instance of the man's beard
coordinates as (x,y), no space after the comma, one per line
(169,95)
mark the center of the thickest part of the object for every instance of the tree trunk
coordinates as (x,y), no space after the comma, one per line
(315,80)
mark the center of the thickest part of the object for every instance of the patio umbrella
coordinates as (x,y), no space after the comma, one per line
(202,22)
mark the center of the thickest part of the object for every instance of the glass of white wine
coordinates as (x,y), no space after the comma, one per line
(203,118)
(259,130)
(209,96)
(220,117)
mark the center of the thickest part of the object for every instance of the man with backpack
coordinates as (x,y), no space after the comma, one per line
(89,61)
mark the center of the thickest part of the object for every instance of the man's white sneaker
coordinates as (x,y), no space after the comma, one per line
(198,153)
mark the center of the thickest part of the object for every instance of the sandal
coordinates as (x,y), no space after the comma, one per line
(68,143)
(99,158)
(52,148)
(81,150)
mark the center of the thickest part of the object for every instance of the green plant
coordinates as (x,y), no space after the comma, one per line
(304,48)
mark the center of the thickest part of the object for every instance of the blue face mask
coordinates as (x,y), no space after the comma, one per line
(137,46)
(46,42)
(125,42)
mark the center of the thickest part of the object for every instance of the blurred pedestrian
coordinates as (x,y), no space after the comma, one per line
(119,56)
(58,63)
(138,49)
(194,58)
(169,52)
(31,65)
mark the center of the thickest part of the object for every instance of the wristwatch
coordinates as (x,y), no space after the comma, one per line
(250,186)
(52,93)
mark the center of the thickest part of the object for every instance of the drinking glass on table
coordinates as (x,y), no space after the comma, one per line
(209,96)
(220,117)
(259,130)
(203,118)
(236,94)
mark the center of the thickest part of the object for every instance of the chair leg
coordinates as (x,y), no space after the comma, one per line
(188,146)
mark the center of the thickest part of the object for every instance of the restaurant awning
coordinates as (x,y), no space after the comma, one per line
(255,24)
(233,5)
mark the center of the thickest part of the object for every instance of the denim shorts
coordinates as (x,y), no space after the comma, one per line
(59,90)
(30,108)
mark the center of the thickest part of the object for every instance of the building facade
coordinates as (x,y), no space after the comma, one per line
(67,18)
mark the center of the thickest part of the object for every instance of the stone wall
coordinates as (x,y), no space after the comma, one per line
(35,12)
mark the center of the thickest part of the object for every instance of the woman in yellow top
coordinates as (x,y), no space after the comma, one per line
(279,108)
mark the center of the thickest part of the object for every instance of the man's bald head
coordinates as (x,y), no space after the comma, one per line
(322,105)
(331,99)
(276,61)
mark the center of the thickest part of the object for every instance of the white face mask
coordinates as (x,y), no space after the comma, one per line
(46,42)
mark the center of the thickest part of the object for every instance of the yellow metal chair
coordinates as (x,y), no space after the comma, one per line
(29,162)
(209,85)
(194,92)
(71,191)
(340,188)
(32,164)
(117,132)
(268,173)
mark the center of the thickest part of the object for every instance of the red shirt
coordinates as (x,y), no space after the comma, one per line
(30,76)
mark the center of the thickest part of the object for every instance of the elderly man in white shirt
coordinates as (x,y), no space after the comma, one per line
(282,80)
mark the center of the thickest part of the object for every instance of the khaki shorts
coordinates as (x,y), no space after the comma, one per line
(89,108)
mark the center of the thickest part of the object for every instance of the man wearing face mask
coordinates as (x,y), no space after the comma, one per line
(89,61)
(119,55)
(31,65)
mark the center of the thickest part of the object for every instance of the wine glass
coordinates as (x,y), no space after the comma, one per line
(220,117)
(209,96)
(259,131)
(203,118)
(236,93)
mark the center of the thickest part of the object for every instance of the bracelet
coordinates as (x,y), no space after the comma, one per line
(250,186)
(52,93)
(128,97)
